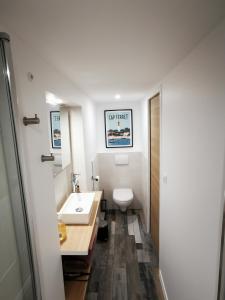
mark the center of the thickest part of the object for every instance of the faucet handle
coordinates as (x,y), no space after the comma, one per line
(75,183)
(75,176)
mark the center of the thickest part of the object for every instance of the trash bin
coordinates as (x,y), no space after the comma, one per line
(103,205)
(103,231)
(103,223)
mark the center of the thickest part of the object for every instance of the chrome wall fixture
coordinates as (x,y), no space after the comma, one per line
(47,157)
(31,121)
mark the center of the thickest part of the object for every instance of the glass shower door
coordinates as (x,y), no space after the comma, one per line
(16,264)
(221,286)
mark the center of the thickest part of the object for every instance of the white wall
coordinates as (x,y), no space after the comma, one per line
(111,175)
(137,130)
(121,176)
(192,140)
(38,176)
(90,137)
(78,146)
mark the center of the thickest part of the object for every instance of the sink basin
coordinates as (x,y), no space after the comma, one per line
(77,208)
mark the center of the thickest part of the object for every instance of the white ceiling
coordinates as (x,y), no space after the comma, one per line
(113,46)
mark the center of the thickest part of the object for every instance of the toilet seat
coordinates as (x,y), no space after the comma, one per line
(123,194)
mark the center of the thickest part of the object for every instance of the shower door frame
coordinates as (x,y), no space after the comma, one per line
(11,97)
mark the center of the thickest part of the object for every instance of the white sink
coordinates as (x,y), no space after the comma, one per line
(77,208)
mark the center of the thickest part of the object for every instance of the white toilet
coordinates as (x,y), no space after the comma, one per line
(123,198)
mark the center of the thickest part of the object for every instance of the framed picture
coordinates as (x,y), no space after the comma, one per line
(55,129)
(118,128)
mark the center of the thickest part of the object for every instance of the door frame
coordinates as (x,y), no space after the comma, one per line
(150,139)
(156,92)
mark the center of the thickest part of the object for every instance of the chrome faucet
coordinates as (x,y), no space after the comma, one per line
(75,183)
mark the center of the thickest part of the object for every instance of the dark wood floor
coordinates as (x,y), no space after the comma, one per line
(123,269)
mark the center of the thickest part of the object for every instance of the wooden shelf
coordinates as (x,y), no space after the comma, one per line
(76,290)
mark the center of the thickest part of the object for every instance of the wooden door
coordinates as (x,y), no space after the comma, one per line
(154,167)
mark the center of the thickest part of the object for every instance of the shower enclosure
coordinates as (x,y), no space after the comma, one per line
(17,280)
(221,286)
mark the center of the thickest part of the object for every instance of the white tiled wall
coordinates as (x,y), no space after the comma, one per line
(121,176)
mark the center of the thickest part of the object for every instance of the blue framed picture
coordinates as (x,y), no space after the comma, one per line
(118,128)
(55,129)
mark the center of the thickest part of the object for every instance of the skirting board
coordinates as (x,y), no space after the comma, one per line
(163,285)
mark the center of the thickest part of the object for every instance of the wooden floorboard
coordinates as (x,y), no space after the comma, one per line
(119,291)
(122,268)
(130,224)
(133,277)
(137,233)
(92,296)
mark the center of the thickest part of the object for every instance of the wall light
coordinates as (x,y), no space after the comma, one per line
(117,96)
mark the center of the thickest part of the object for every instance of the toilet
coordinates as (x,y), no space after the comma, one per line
(123,197)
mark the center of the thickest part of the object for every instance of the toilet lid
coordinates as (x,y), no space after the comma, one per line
(123,194)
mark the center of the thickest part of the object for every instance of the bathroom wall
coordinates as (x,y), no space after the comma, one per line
(33,142)
(137,130)
(90,137)
(121,176)
(145,174)
(192,160)
(111,175)
(78,146)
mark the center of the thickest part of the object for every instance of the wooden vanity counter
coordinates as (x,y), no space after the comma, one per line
(79,237)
